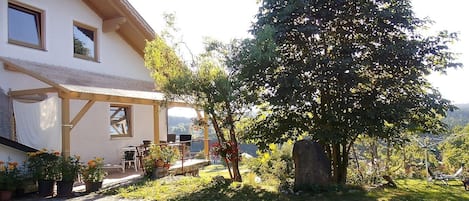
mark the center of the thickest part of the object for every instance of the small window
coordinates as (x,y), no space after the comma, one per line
(120,121)
(84,41)
(25,26)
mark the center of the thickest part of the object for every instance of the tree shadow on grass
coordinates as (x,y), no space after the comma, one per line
(430,191)
(243,192)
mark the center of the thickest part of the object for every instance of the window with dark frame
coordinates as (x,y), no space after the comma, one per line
(25,26)
(84,42)
(120,121)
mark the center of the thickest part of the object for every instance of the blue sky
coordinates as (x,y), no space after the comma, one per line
(228,19)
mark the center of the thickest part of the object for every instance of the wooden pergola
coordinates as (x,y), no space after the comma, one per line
(68,92)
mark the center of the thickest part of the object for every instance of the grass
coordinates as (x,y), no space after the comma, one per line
(202,188)
(417,189)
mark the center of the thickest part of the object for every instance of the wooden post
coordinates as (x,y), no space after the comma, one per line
(156,123)
(206,145)
(66,127)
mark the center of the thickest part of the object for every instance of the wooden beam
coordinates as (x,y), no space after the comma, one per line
(111,25)
(156,124)
(66,127)
(107,98)
(32,91)
(82,112)
(10,68)
(179,104)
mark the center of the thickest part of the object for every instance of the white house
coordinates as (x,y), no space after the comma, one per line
(72,78)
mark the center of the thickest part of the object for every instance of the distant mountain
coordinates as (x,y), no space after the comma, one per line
(458,117)
(182,125)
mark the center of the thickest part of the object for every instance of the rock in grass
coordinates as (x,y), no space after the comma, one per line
(312,167)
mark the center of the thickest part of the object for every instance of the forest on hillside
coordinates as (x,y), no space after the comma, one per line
(459,117)
(182,125)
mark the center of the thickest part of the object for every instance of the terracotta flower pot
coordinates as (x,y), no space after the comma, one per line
(159,172)
(5,195)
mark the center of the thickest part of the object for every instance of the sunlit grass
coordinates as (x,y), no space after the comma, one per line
(418,189)
(202,188)
(164,189)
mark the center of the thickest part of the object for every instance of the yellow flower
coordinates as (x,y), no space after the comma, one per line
(2,168)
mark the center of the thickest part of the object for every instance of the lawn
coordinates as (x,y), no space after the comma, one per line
(202,188)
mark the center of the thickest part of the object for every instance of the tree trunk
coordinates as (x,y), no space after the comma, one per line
(343,163)
(335,163)
(339,161)
(221,139)
(235,161)
(388,156)
(374,161)
(357,163)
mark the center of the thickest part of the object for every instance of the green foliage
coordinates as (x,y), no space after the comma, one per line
(162,153)
(79,47)
(10,176)
(454,150)
(359,71)
(459,117)
(94,171)
(69,168)
(207,84)
(340,69)
(165,66)
(44,164)
(275,164)
(372,158)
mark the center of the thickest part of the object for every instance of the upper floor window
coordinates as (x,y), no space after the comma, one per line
(84,41)
(25,26)
(120,121)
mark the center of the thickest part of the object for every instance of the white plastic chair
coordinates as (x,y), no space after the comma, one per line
(129,157)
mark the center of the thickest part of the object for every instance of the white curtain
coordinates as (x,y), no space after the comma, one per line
(38,124)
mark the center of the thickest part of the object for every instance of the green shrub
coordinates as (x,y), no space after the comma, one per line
(275,165)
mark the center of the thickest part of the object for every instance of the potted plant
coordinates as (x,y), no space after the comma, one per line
(169,154)
(9,179)
(93,174)
(157,162)
(69,168)
(44,166)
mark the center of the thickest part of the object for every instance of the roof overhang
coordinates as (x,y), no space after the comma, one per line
(120,16)
(105,89)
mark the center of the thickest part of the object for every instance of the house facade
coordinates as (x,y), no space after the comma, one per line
(72,78)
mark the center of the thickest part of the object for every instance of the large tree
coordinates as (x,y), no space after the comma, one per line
(337,69)
(207,84)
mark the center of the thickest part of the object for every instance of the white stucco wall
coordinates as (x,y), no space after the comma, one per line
(90,137)
(18,81)
(9,154)
(116,57)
